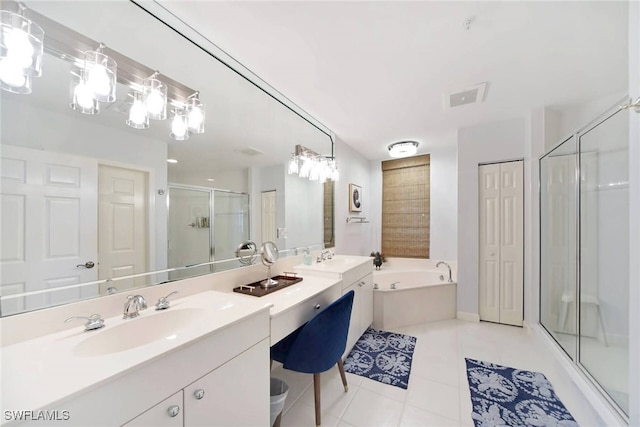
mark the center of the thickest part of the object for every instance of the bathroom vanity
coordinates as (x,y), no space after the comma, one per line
(199,362)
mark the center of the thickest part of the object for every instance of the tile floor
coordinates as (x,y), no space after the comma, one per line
(438,393)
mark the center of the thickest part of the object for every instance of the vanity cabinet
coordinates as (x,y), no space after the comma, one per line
(230,365)
(362,311)
(229,395)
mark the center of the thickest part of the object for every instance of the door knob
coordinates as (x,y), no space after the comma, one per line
(88,264)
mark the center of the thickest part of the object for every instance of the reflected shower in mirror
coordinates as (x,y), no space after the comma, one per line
(89,188)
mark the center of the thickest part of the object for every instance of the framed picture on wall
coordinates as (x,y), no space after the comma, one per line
(355,198)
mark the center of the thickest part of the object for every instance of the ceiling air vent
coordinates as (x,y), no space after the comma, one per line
(471,95)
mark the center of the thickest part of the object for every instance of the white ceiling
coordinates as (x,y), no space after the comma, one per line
(377,72)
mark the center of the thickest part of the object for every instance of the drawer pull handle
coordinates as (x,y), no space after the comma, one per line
(361,284)
(173,410)
(317,306)
(198,394)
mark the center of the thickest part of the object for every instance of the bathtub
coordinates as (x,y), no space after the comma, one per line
(422,293)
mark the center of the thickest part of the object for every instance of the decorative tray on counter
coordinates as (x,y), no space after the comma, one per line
(255,289)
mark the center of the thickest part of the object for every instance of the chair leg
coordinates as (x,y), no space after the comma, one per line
(316,393)
(344,377)
(276,423)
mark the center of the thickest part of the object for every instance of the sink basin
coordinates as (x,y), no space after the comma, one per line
(137,332)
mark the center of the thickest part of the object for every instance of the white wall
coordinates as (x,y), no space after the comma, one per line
(485,143)
(444,202)
(634,214)
(304,215)
(352,238)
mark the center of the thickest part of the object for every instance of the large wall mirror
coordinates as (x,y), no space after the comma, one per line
(91,205)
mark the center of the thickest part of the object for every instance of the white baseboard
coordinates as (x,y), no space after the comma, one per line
(469,317)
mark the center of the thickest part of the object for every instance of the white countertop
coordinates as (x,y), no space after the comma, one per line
(40,372)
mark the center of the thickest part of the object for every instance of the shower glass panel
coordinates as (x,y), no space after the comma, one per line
(604,259)
(231,222)
(558,244)
(189,230)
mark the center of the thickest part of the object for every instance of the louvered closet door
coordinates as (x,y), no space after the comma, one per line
(501,247)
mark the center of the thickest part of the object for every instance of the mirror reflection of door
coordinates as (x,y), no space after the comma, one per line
(48,203)
(122,225)
(269,216)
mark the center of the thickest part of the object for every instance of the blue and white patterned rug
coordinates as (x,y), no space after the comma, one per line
(382,356)
(503,396)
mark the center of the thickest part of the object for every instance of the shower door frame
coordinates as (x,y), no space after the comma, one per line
(576,362)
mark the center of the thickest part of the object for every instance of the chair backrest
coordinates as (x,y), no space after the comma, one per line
(323,339)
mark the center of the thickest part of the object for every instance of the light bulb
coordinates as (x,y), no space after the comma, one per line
(12,73)
(138,113)
(19,47)
(98,80)
(179,126)
(155,102)
(83,95)
(195,118)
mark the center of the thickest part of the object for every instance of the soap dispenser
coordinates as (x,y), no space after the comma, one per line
(308,259)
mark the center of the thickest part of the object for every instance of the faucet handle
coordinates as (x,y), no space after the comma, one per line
(163,302)
(95,321)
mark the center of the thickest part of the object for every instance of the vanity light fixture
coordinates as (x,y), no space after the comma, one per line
(195,113)
(21,49)
(138,116)
(306,163)
(180,124)
(403,149)
(154,94)
(100,74)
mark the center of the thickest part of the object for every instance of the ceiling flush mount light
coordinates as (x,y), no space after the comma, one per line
(21,49)
(138,116)
(154,95)
(195,113)
(180,124)
(100,74)
(403,149)
(306,163)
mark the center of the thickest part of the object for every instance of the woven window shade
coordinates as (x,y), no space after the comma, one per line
(328,209)
(406,207)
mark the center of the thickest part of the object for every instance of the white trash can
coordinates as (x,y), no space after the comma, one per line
(278,393)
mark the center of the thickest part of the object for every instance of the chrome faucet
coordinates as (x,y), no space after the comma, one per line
(321,257)
(93,322)
(393,285)
(449,267)
(133,305)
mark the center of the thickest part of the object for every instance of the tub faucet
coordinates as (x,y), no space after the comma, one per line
(133,305)
(449,267)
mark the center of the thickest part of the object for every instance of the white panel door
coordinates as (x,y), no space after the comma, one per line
(489,262)
(49,222)
(501,243)
(122,224)
(269,216)
(511,244)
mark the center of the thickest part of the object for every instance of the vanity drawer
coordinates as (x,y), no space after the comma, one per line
(290,320)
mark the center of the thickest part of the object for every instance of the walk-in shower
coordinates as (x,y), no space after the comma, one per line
(584,262)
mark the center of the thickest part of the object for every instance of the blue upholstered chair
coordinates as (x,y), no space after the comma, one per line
(318,344)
